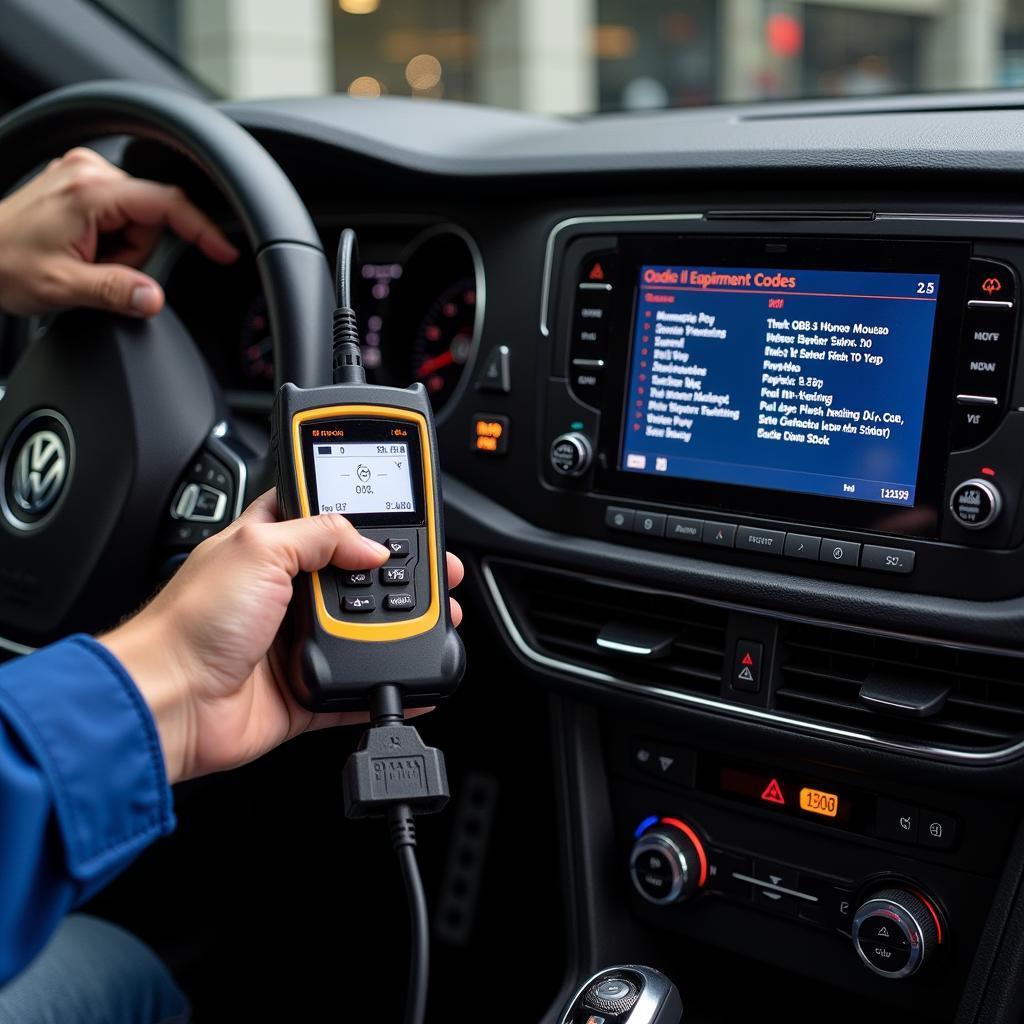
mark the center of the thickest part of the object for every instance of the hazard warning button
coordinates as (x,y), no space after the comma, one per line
(746,671)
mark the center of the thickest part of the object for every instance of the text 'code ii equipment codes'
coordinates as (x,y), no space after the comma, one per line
(811,381)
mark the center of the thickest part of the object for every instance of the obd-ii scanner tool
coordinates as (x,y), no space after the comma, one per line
(378,639)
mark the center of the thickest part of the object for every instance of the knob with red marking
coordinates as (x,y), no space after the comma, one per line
(896,932)
(667,863)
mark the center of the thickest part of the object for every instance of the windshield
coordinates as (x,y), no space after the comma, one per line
(585,56)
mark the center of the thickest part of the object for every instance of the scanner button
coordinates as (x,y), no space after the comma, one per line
(362,578)
(395,576)
(399,602)
(398,546)
(359,604)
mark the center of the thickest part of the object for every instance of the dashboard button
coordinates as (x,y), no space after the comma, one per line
(598,270)
(587,375)
(936,830)
(991,281)
(802,545)
(898,560)
(722,535)
(746,669)
(974,419)
(975,504)
(896,820)
(619,518)
(651,523)
(839,552)
(679,528)
(775,876)
(723,866)
(882,931)
(496,376)
(767,542)
(675,765)
(489,434)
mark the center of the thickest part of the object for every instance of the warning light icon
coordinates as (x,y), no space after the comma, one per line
(596,272)
(747,659)
(773,793)
(991,285)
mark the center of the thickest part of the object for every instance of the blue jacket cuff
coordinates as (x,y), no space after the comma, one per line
(80,715)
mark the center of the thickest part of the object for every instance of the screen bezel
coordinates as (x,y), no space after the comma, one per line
(364,429)
(947,259)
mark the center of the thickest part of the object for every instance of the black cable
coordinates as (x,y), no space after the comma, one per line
(403,838)
(348,362)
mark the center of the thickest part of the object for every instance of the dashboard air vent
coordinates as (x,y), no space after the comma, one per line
(822,670)
(562,615)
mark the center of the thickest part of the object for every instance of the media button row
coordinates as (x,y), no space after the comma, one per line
(799,546)
(590,325)
(916,826)
(986,351)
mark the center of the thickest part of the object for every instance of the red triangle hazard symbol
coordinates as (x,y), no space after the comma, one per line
(596,272)
(747,659)
(773,793)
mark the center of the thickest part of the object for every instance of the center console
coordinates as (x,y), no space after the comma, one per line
(841,404)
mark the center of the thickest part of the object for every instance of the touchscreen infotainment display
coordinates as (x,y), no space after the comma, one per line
(808,381)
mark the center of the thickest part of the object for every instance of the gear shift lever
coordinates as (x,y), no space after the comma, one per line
(629,994)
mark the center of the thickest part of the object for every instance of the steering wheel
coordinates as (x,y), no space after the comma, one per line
(115,448)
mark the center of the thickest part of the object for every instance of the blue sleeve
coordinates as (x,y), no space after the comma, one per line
(83,788)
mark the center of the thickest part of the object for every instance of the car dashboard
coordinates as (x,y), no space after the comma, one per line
(784,670)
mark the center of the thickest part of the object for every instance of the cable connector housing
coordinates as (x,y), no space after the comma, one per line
(393,766)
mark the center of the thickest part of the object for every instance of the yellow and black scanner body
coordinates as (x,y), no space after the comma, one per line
(370,454)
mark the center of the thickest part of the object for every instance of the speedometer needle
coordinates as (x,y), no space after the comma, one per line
(437,363)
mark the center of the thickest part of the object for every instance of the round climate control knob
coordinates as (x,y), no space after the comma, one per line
(668,863)
(571,454)
(895,933)
(976,504)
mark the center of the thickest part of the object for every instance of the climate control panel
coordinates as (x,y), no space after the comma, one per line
(894,927)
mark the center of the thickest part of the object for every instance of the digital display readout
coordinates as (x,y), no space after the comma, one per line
(806,381)
(363,477)
(817,801)
(783,794)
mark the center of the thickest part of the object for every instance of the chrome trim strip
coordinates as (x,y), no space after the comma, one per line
(569,222)
(781,889)
(977,400)
(14,647)
(988,304)
(969,757)
(216,443)
(614,645)
(593,286)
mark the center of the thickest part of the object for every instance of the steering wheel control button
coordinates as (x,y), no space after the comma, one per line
(894,932)
(399,602)
(839,552)
(991,284)
(975,504)
(746,668)
(398,546)
(802,545)
(571,454)
(36,465)
(200,503)
(896,560)
(489,434)
(360,605)
(360,578)
(496,376)
(897,821)
(765,542)
(719,535)
(395,576)
(619,518)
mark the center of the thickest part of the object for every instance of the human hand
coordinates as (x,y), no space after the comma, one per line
(50,232)
(205,654)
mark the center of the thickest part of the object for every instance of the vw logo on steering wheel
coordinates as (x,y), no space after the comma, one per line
(35,466)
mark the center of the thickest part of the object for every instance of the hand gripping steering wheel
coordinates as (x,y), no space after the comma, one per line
(107,421)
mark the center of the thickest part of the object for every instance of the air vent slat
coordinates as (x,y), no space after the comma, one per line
(562,614)
(822,670)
